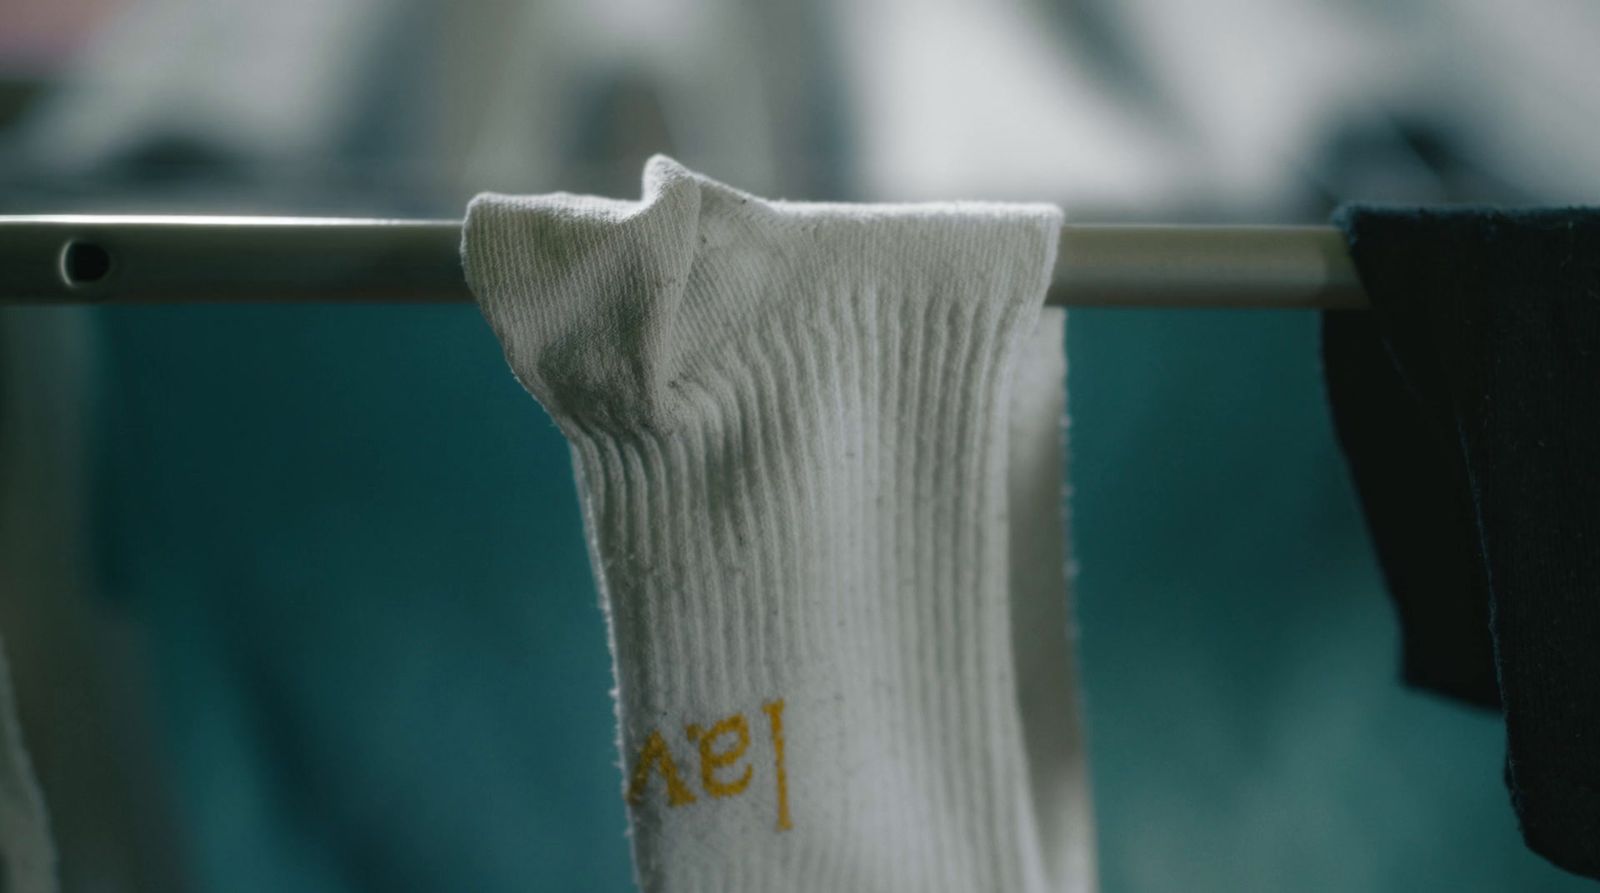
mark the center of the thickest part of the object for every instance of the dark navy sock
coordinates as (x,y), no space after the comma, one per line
(1468,406)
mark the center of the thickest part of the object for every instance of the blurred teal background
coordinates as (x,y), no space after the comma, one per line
(334,553)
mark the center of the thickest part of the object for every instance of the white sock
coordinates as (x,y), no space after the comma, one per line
(791,428)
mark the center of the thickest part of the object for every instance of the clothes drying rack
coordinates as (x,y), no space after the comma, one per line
(112,259)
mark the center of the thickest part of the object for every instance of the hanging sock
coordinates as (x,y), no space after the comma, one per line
(819,455)
(1468,406)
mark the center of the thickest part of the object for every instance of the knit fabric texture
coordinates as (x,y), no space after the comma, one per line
(1467,403)
(819,455)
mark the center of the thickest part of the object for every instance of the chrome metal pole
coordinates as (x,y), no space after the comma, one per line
(1284,267)
(108,259)
(169,260)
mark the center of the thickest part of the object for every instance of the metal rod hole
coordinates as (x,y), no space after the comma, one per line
(84,263)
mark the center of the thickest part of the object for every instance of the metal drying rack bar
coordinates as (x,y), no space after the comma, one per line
(112,259)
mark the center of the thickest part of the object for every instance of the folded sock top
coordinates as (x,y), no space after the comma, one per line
(837,668)
(602,304)
(1468,406)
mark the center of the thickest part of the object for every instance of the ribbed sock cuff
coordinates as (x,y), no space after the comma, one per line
(790,426)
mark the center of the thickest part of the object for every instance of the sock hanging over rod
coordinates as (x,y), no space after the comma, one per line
(110,259)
